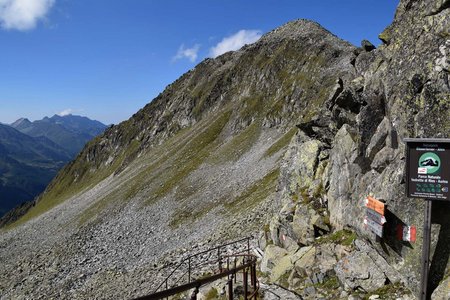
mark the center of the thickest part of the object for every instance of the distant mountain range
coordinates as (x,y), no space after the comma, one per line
(31,153)
(70,132)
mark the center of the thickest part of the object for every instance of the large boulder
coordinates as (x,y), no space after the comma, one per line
(307,225)
(442,292)
(358,271)
(272,255)
(365,269)
(277,263)
(343,166)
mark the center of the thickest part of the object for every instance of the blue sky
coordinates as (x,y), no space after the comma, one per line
(106,59)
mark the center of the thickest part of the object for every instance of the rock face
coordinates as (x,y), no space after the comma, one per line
(292,131)
(401,89)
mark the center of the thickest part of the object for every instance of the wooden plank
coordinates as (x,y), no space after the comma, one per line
(375,205)
(374,216)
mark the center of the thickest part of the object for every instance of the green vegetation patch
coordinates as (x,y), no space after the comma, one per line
(280,143)
(329,284)
(202,94)
(276,110)
(93,211)
(389,292)
(252,107)
(192,155)
(212,294)
(342,237)
(256,193)
(190,215)
(238,145)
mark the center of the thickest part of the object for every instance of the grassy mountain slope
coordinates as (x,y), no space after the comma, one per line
(277,82)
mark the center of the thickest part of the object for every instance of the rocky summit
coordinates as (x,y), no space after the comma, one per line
(282,140)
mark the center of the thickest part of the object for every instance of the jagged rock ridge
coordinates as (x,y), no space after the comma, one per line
(354,147)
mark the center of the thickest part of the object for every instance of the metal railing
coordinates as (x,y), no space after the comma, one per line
(193,266)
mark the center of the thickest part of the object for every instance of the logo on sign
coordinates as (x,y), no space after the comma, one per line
(429,163)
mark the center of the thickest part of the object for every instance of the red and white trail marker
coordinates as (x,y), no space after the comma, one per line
(406,233)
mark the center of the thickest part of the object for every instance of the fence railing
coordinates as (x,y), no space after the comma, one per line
(190,273)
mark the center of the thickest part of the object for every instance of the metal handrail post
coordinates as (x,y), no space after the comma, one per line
(235,264)
(189,270)
(194,294)
(245,282)
(254,280)
(230,288)
(252,277)
(219,259)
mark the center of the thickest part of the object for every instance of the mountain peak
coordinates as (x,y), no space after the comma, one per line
(297,30)
(21,123)
(21,120)
(63,116)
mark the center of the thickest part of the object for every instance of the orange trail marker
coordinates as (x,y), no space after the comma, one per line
(375,205)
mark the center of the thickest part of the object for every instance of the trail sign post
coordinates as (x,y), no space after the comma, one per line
(375,205)
(428,168)
(427,177)
(375,219)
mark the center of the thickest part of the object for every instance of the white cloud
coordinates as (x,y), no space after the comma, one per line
(235,41)
(189,53)
(23,14)
(65,112)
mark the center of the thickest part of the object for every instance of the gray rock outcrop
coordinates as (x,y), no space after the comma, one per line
(399,90)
